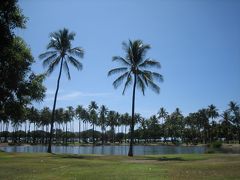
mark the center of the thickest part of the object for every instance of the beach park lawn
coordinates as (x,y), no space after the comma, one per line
(185,166)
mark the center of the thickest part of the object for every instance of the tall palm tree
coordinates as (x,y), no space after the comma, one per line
(234,111)
(80,113)
(226,124)
(111,122)
(162,114)
(135,70)
(93,116)
(212,113)
(126,121)
(60,51)
(102,119)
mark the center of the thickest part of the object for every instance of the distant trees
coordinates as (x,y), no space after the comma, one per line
(234,114)
(60,51)
(135,69)
(104,126)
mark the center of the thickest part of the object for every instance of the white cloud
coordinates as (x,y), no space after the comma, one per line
(74,95)
(52,92)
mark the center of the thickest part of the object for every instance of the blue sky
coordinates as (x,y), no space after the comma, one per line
(196,41)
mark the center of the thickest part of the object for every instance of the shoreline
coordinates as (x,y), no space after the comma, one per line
(108,144)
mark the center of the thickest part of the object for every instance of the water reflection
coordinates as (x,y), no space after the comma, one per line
(108,150)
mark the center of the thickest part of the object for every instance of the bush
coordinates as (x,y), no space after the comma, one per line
(210,151)
(216,144)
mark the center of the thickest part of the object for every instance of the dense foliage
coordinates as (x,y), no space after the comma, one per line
(19,86)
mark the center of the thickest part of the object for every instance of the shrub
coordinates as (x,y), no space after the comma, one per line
(216,144)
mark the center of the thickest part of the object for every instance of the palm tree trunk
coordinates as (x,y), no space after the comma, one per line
(93,134)
(130,152)
(125,135)
(25,131)
(66,139)
(102,135)
(79,135)
(53,111)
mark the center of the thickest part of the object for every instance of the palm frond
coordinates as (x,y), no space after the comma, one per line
(71,35)
(154,87)
(48,60)
(121,60)
(119,80)
(66,69)
(77,51)
(153,75)
(127,83)
(53,65)
(145,77)
(117,70)
(150,63)
(142,51)
(141,84)
(75,62)
(46,54)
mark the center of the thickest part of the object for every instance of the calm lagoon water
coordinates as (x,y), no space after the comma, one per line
(108,150)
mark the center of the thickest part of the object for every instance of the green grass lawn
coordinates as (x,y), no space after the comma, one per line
(185,166)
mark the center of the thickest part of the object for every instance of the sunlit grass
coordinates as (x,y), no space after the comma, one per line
(184,166)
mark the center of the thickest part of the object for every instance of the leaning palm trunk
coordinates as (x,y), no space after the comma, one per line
(130,152)
(53,111)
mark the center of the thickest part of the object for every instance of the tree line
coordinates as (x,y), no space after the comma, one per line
(99,125)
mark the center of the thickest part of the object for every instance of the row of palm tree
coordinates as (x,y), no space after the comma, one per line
(206,125)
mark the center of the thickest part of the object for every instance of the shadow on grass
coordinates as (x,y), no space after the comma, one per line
(170,159)
(164,158)
(68,156)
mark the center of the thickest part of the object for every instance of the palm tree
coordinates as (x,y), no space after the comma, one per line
(126,121)
(212,113)
(234,111)
(80,115)
(135,70)
(93,116)
(226,124)
(162,114)
(60,51)
(102,119)
(45,117)
(111,122)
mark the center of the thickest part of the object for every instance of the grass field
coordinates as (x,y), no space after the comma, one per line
(185,166)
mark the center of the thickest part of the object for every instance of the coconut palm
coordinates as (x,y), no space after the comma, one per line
(212,113)
(80,115)
(226,124)
(102,119)
(60,51)
(126,119)
(234,111)
(162,114)
(111,122)
(135,70)
(93,116)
